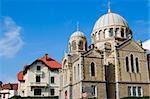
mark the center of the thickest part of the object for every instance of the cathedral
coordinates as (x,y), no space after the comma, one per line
(114,65)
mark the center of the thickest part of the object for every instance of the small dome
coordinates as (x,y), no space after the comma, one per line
(77,34)
(110,19)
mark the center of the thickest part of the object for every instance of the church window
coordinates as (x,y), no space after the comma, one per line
(127,64)
(94,90)
(74,45)
(74,73)
(92,69)
(132,63)
(97,36)
(137,64)
(78,71)
(81,45)
(117,32)
(100,34)
(122,32)
(106,33)
(135,91)
(129,91)
(111,32)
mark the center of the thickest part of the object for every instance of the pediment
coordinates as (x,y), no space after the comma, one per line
(131,46)
(93,53)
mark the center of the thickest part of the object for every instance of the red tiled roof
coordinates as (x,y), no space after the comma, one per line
(20,76)
(10,86)
(51,63)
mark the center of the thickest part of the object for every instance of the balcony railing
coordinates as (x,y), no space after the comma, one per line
(39,72)
(38,84)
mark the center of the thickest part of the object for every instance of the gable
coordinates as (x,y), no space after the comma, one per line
(131,46)
(93,53)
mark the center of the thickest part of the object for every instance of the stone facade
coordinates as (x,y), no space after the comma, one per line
(114,66)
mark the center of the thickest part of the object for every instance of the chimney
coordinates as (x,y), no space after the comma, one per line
(46,55)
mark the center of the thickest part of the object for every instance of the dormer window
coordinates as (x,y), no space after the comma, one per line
(38,68)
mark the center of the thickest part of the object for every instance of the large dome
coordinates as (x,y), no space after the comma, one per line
(110,19)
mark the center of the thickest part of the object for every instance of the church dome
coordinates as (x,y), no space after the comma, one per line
(77,42)
(110,19)
(77,34)
(110,26)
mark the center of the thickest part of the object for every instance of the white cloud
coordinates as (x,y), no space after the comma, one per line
(11,41)
(146,45)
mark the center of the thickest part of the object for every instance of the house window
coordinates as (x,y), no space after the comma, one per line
(37,91)
(38,68)
(38,78)
(137,64)
(127,64)
(52,92)
(132,63)
(92,69)
(4,95)
(52,80)
(66,95)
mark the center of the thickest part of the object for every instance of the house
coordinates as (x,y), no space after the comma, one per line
(8,90)
(40,78)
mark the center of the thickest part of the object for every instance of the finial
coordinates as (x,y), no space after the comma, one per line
(77,26)
(109,6)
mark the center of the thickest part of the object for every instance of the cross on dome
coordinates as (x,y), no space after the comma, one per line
(109,10)
(77,26)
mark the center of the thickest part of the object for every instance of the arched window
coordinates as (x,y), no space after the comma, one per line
(74,73)
(127,64)
(81,45)
(74,45)
(122,32)
(100,34)
(106,33)
(132,63)
(117,32)
(97,36)
(92,69)
(111,32)
(137,64)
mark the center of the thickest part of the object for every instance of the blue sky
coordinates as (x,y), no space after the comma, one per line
(31,28)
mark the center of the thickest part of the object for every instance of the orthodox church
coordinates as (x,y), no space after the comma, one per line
(114,65)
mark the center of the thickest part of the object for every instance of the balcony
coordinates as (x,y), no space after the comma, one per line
(38,84)
(39,73)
